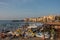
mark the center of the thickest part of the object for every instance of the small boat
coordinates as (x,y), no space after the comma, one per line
(40,34)
(32,26)
(46,35)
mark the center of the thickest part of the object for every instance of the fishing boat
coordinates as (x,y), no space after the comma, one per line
(32,26)
(40,34)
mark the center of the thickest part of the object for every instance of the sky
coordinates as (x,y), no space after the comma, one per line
(20,9)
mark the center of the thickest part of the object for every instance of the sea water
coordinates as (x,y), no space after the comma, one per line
(9,25)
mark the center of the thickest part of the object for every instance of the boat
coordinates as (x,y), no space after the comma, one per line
(46,35)
(40,34)
(32,26)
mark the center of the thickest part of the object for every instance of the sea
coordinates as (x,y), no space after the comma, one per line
(9,25)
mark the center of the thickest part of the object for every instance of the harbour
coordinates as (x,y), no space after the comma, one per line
(31,30)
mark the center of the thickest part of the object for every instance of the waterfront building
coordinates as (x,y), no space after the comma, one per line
(39,19)
(26,19)
(57,18)
(50,18)
(32,19)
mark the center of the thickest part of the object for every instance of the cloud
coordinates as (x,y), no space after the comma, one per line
(2,3)
(3,7)
(26,1)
